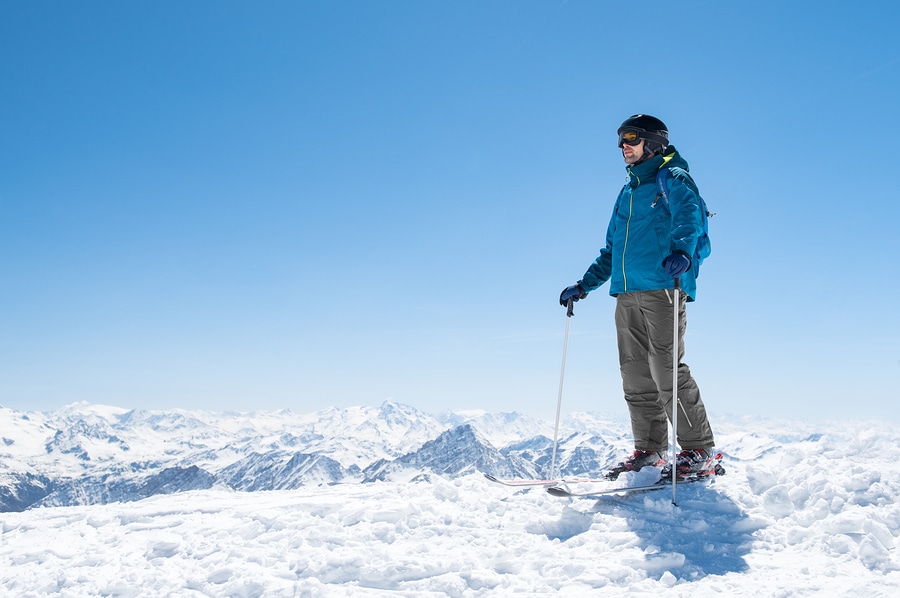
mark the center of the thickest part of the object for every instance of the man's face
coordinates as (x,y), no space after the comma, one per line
(633,153)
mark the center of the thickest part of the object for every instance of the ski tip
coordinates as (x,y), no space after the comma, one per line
(491,478)
(555,491)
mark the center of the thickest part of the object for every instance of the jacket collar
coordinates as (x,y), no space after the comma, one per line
(646,170)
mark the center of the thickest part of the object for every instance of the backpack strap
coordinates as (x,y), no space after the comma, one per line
(662,186)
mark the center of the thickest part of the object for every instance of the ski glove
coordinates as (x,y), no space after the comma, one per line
(573,292)
(677,264)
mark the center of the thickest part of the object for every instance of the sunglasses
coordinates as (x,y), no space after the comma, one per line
(629,137)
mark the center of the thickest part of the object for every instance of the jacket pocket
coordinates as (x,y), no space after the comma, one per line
(663,244)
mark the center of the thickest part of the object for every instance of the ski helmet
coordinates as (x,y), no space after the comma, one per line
(646,127)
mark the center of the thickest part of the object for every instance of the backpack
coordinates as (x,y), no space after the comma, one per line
(662,185)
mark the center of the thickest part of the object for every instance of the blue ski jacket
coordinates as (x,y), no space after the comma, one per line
(642,232)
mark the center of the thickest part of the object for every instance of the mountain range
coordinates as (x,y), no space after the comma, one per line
(95,454)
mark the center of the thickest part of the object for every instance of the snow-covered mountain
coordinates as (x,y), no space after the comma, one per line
(806,508)
(95,454)
(459,451)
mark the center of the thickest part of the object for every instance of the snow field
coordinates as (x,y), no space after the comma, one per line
(797,514)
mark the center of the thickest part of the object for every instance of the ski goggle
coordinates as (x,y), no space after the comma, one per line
(629,137)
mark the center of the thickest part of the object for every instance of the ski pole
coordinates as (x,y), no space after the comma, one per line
(570,311)
(676,304)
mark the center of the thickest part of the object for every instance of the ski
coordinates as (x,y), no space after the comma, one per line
(664,482)
(521,482)
(559,491)
(563,492)
(527,482)
(555,487)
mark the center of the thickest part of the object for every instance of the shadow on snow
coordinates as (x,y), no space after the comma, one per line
(706,534)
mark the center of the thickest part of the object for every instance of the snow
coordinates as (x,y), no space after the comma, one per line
(804,510)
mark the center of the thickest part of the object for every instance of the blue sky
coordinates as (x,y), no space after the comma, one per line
(236,205)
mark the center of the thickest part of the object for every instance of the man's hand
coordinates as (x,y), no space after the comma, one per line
(677,264)
(575,291)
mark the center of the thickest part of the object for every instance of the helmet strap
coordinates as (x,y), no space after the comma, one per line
(648,153)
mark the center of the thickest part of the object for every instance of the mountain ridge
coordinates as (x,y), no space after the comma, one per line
(94,454)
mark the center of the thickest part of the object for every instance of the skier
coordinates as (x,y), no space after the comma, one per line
(647,247)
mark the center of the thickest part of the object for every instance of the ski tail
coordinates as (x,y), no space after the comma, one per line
(717,461)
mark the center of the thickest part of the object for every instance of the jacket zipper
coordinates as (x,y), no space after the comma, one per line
(628,226)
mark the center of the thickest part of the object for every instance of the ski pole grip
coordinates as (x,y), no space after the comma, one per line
(570,307)
(677,283)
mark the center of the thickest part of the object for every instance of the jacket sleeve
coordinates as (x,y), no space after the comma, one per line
(600,271)
(687,214)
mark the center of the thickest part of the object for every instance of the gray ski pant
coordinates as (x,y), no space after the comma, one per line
(644,330)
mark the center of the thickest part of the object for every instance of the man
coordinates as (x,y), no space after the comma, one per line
(649,243)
